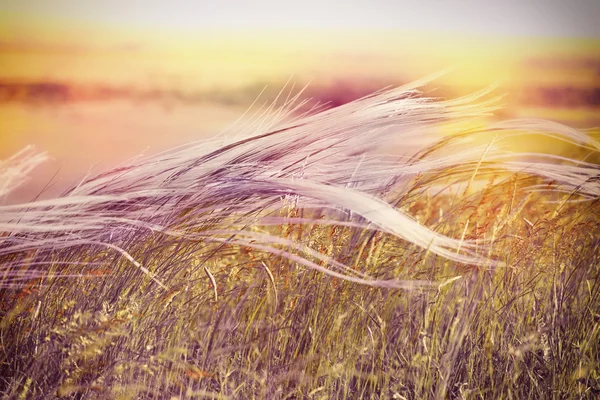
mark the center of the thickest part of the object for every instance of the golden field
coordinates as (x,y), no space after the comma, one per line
(196,230)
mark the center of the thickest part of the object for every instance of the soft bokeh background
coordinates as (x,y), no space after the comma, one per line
(96,83)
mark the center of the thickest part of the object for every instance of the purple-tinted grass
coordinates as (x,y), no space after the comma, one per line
(214,191)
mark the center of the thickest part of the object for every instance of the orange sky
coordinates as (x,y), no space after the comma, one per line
(228,43)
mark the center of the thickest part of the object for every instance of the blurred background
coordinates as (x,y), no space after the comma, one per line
(97,83)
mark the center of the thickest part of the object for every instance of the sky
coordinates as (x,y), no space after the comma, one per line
(545,18)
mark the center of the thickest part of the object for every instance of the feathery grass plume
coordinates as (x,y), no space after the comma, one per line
(216,190)
(15,171)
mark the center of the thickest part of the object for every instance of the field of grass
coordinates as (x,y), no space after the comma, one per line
(292,259)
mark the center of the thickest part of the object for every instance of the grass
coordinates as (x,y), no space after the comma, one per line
(293,260)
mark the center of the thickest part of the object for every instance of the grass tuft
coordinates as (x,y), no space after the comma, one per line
(294,258)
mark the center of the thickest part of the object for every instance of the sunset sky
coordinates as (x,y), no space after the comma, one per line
(227,43)
(508,17)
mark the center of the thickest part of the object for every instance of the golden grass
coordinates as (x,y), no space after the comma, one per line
(242,320)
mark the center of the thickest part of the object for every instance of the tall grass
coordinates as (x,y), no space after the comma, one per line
(293,257)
